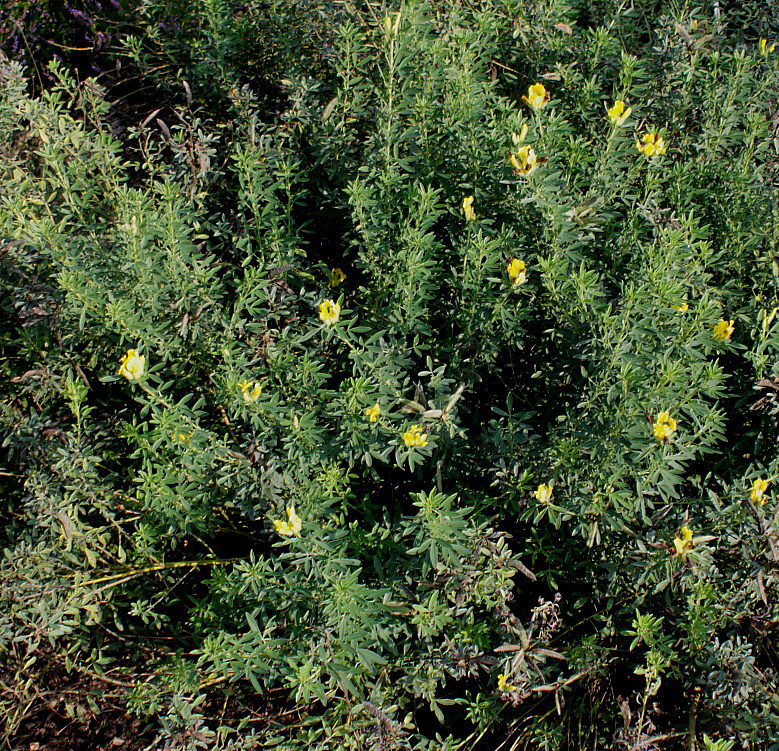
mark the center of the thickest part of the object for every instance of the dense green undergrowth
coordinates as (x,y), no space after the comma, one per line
(386,385)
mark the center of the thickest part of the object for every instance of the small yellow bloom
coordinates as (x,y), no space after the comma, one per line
(470,214)
(329,312)
(182,437)
(517,272)
(765,48)
(664,426)
(683,542)
(517,138)
(372,413)
(618,114)
(757,494)
(291,527)
(543,493)
(524,161)
(415,437)
(133,365)
(250,390)
(504,684)
(537,97)
(683,308)
(653,144)
(723,330)
(336,277)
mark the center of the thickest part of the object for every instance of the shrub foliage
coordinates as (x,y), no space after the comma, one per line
(394,379)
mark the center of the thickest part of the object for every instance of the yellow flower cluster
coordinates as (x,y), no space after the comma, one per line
(723,330)
(524,161)
(329,312)
(291,527)
(757,493)
(664,426)
(765,48)
(415,436)
(372,413)
(517,272)
(504,684)
(337,276)
(132,365)
(683,542)
(537,97)
(543,493)
(651,144)
(617,113)
(250,391)
(470,214)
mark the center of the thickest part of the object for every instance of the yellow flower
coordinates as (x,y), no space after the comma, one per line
(683,542)
(653,144)
(133,365)
(517,271)
(182,437)
(537,97)
(757,494)
(664,426)
(291,527)
(372,413)
(765,48)
(723,330)
(415,437)
(250,390)
(470,214)
(336,277)
(329,312)
(504,684)
(524,161)
(683,308)
(543,493)
(618,114)
(517,138)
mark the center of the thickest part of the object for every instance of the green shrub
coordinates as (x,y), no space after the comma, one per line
(428,405)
